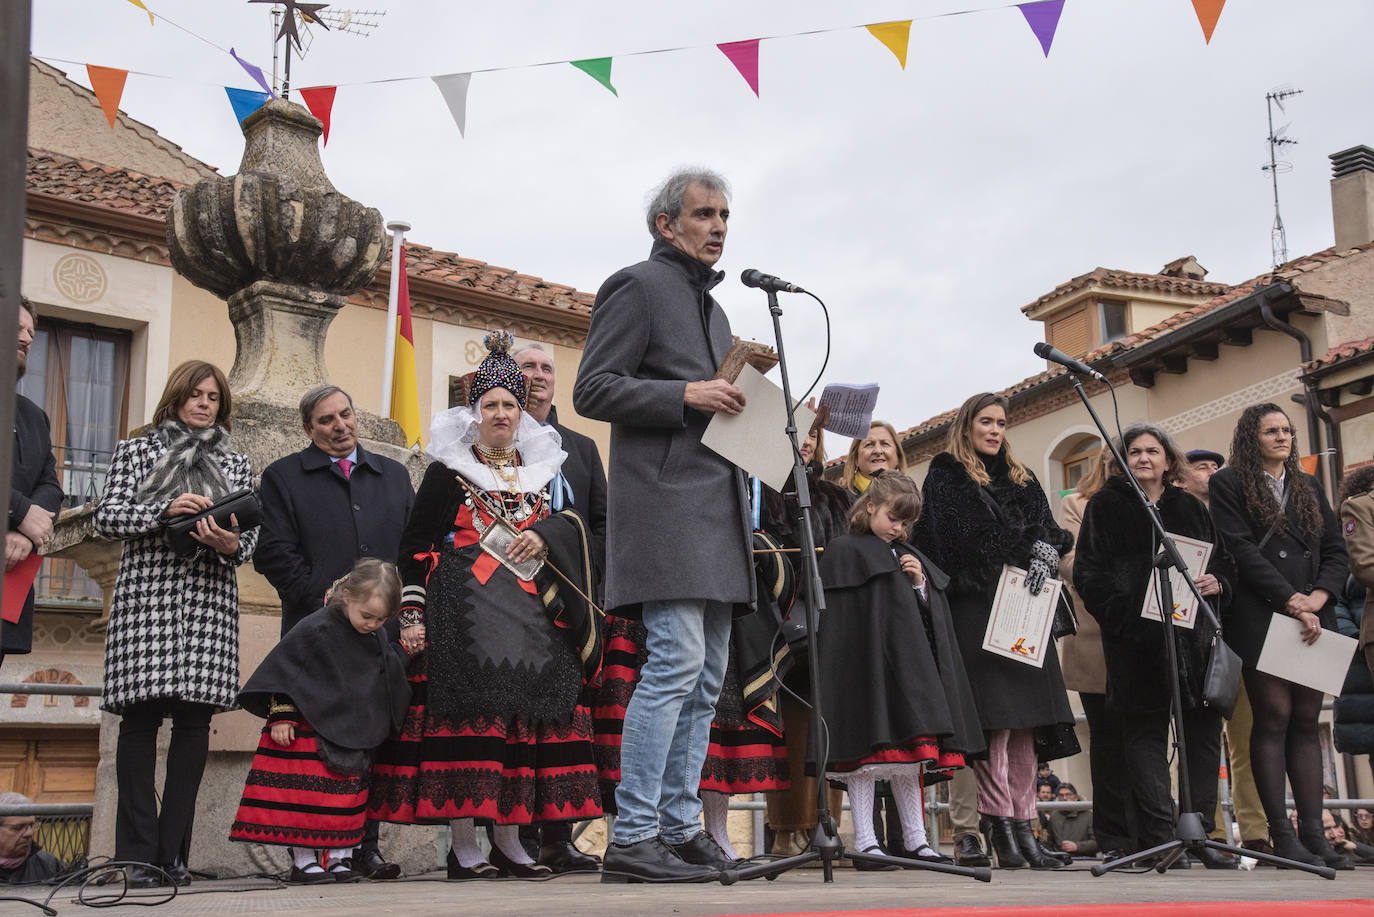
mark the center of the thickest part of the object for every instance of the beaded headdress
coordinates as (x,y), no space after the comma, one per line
(499,369)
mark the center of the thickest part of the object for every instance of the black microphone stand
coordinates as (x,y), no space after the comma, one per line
(825,841)
(1189,835)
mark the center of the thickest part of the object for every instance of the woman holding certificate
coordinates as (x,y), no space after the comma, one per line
(1113,569)
(496,730)
(986,511)
(1290,560)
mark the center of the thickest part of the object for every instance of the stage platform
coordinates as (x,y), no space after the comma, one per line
(1074,892)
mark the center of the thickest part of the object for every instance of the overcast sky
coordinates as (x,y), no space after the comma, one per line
(924,206)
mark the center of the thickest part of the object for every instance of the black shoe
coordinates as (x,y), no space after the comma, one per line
(1115,853)
(703,850)
(179,873)
(968,852)
(1217,859)
(299,876)
(145,877)
(1287,846)
(925,853)
(483,870)
(1313,837)
(1028,846)
(343,871)
(651,860)
(1002,842)
(372,865)
(565,857)
(511,869)
(867,866)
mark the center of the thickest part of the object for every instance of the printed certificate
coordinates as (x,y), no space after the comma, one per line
(1019,625)
(1321,665)
(1195,556)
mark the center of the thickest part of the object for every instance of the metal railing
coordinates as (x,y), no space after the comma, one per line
(62,582)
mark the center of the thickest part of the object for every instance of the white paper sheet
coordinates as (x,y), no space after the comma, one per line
(1321,666)
(1019,623)
(1195,556)
(851,408)
(756,438)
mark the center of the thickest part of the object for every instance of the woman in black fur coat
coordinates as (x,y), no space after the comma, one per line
(1112,571)
(985,509)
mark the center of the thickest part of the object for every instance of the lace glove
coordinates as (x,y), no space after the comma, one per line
(1044,561)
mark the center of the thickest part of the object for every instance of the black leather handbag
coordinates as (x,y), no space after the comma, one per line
(242,504)
(1221,682)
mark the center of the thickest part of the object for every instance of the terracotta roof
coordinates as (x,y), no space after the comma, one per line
(1341,353)
(127,191)
(1129,280)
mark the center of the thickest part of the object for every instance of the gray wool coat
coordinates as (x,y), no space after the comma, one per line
(677,514)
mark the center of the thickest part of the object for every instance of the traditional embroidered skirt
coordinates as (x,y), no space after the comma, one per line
(620,664)
(292,798)
(743,756)
(897,759)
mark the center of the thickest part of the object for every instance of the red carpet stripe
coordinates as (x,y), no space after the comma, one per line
(1347,908)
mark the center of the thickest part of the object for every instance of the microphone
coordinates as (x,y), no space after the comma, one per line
(752,278)
(1045,352)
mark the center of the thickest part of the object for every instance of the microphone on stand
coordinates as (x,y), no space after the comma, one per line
(752,278)
(1045,352)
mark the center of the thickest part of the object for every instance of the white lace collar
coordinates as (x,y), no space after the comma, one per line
(453,433)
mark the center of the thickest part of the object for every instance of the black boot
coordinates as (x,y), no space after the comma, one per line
(1313,837)
(1002,842)
(1286,845)
(1038,857)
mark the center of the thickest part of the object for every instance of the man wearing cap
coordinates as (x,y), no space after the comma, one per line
(1202,464)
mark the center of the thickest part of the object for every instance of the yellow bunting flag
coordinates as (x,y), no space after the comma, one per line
(405,395)
(1208,12)
(108,85)
(139,4)
(895,35)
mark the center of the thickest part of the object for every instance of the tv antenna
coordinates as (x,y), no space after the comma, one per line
(292,19)
(1278,238)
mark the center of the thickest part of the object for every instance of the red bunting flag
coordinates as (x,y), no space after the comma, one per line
(108,85)
(320,101)
(745,56)
(1208,12)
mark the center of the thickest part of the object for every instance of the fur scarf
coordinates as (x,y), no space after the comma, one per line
(193,461)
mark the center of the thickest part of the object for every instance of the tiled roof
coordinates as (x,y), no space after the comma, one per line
(131,192)
(1129,280)
(1341,353)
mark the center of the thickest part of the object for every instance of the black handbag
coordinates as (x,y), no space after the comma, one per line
(242,504)
(1221,682)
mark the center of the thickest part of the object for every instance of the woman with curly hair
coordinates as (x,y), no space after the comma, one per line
(1290,560)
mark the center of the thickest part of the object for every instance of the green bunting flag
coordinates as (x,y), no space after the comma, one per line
(599,69)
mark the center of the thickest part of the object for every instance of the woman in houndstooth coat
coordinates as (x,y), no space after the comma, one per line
(172,648)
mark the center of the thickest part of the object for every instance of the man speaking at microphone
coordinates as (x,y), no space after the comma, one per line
(677,527)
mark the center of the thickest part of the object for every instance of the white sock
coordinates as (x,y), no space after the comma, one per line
(304,858)
(861,808)
(507,840)
(464,831)
(336,857)
(907,790)
(716,808)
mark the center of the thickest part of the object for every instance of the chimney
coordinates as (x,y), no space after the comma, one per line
(1352,196)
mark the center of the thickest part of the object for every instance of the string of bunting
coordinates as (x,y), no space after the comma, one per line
(1042,16)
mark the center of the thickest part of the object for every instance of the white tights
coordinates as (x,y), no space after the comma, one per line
(716,809)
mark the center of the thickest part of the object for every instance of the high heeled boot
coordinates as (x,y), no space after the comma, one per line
(1064,858)
(1286,845)
(997,829)
(1030,848)
(1313,836)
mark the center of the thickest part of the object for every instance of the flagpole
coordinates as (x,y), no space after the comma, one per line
(398,230)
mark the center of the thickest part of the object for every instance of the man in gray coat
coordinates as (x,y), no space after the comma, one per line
(677,530)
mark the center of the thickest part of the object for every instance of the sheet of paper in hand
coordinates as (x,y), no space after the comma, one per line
(755,439)
(1019,625)
(1195,556)
(851,408)
(1321,665)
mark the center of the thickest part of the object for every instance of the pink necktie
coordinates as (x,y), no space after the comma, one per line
(346,466)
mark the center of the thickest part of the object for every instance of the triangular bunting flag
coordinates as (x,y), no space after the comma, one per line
(1043,18)
(454,88)
(745,56)
(108,85)
(320,101)
(139,4)
(245,101)
(255,72)
(599,69)
(895,35)
(1208,12)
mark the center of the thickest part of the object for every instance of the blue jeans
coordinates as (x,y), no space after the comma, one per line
(668,722)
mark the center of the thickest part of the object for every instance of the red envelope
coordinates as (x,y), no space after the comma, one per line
(18,582)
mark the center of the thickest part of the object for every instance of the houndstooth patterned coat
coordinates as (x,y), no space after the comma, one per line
(174,621)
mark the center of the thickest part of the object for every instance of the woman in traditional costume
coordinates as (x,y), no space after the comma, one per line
(332,690)
(496,729)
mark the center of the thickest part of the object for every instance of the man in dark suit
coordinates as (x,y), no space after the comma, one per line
(35,492)
(581,484)
(323,508)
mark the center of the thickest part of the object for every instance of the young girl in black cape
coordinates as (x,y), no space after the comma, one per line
(895,696)
(332,690)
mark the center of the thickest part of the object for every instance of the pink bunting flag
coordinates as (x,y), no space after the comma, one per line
(320,101)
(254,71)
(745,56)
(1043,18)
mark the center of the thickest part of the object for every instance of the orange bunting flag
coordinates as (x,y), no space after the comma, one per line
(108,85)
(405,395)
(1208,12)
(895,35)
(320,101)
(139,4)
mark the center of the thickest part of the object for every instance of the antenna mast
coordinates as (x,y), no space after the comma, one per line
(1278,238)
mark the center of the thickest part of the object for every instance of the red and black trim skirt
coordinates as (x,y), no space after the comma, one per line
(745,759)
(620,664)
(291,798)
(497,770)
(920,750)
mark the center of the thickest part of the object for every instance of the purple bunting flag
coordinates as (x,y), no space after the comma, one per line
(1043,18)
(255,72)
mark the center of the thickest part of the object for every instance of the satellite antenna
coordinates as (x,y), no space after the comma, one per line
(1278,238)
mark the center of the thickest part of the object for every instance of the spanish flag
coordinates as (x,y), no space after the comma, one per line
(405,396)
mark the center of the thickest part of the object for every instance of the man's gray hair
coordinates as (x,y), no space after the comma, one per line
(533,345)
(668,198)
(312,398)
(13,799)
